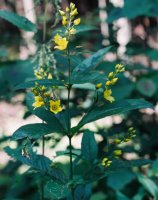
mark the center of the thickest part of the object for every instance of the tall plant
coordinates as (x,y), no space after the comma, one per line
(45,102)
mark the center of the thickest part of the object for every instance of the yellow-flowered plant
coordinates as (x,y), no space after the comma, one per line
(69,22)
(46,96)
(112,80)
(43,98)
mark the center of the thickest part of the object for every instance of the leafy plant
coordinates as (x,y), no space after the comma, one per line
(85,166)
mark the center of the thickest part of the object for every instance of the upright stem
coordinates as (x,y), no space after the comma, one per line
(69,118)
(44,40)
(71,165)
(42,183)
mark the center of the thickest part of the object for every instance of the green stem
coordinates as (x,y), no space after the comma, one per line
(71,164)
(42,183)
(69,119)
(43,139)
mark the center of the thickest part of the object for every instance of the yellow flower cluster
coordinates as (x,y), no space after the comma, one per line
(42,74)
(112,80)
(43,98)
(131,133)
(106,162)
(69,21)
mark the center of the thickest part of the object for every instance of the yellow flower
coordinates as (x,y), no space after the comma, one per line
(61,42)
(77,21)
(55,106)
(67,9)
(49,76)
(111,74)
(38,102)
(72,5)
(74,12)
(114,80)
(107,95)
(62,13)
(117,153)
(108,83)
(97,86)
(64,21)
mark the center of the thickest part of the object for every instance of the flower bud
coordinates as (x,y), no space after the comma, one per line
(114,80)
(72,5)
(97,86)
(111,74)
(62,13)
(67,9)
(108,83)
(77,21)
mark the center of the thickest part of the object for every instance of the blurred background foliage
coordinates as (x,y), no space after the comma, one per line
(131,27)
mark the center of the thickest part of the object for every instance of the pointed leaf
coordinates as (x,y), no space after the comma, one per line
(56,190)
(105,110)
(91,62)
(89,146)
(149,185)
(38,162)
(33,131)
(19,21)
(45,82)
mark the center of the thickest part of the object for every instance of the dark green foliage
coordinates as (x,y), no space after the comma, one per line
(89,147)
(19,21)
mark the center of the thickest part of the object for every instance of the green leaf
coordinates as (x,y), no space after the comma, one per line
(91,77)
(39,163)
(121,196)
(105,110)
(89,63)
(119,180)
(149,185)
(33,131)
(30,84)
(146,87)
(19,21)
(89,147)
(98,196)
(139,7)
(140,194)
(96,173)
(54,121)
(82,192)
(56,190)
